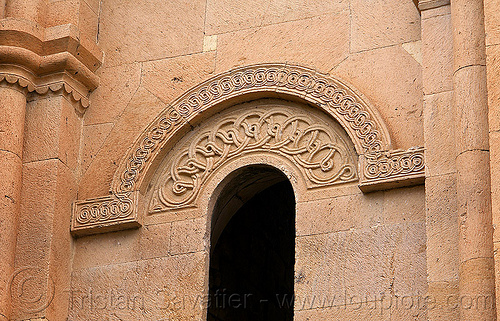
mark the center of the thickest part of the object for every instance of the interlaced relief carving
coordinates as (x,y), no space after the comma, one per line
(103,212)
(114,208)
(392,164)
(320,151)
(328,94)
(389,169)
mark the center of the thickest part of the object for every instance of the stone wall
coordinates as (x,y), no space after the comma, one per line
(104,105)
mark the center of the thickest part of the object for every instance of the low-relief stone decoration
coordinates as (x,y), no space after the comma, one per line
(317,148)
(391,168)
(332,96)
(103,213)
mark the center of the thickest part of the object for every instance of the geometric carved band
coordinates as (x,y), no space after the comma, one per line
(391,169)
(328,94)
(105,214)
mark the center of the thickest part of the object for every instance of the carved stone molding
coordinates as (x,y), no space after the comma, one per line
(361,121)
(59,85)
(317,146)
(48,60)
(105,214)
(431,4)
(391,169)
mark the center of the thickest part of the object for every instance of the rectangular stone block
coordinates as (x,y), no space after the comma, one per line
(443,303)
(442,228)
(319,270)
(227,16)
(12,109)
(472,112)
(57,119)
(44,246)
(492,74)
(440,148)
(156,30)
(107,249)
(394,85)
(495,182)
(109,101)
(491,18)
(288,42)
(170,78)
(189,236)
(155,289)
(382,23)
(88,22)
(62,12)
(437,53)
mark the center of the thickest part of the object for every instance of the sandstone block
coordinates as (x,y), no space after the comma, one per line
(227,16)
(394,85)
(288,42)
(170,78)
(492,73)
(382,23)
(156,30)
(442,228)
(437,53)
(440,150)
(109,101)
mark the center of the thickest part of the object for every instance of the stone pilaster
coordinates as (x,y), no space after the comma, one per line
(439,142)
(476,266)
(47,65)
(12,113)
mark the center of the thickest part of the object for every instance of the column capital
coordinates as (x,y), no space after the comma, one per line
(49,60)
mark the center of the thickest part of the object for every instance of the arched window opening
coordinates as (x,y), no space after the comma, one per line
(253,248)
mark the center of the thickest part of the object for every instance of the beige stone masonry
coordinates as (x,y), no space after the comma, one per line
(379,168)
(431,4)
(392,169)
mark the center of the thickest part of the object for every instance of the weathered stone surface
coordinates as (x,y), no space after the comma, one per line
(436,53)
(189,236)
(155,30)
(470,89)
(226,16)
(49,188)
(97,179)
(94,137)
(288,42)
(170,78)
(107,249)
(439,149)
(109,101)
(495,182)
(61,126)
(382,23)
(394,85)
(141,290)
(342,213)
(12,121)
(63,12)
(492,73)
(89,22)
(491,18)
(442,224)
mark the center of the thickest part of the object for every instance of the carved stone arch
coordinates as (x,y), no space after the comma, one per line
(349,108)
(379,167)
(316,145)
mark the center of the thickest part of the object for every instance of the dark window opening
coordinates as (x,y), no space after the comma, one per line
(252,262)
